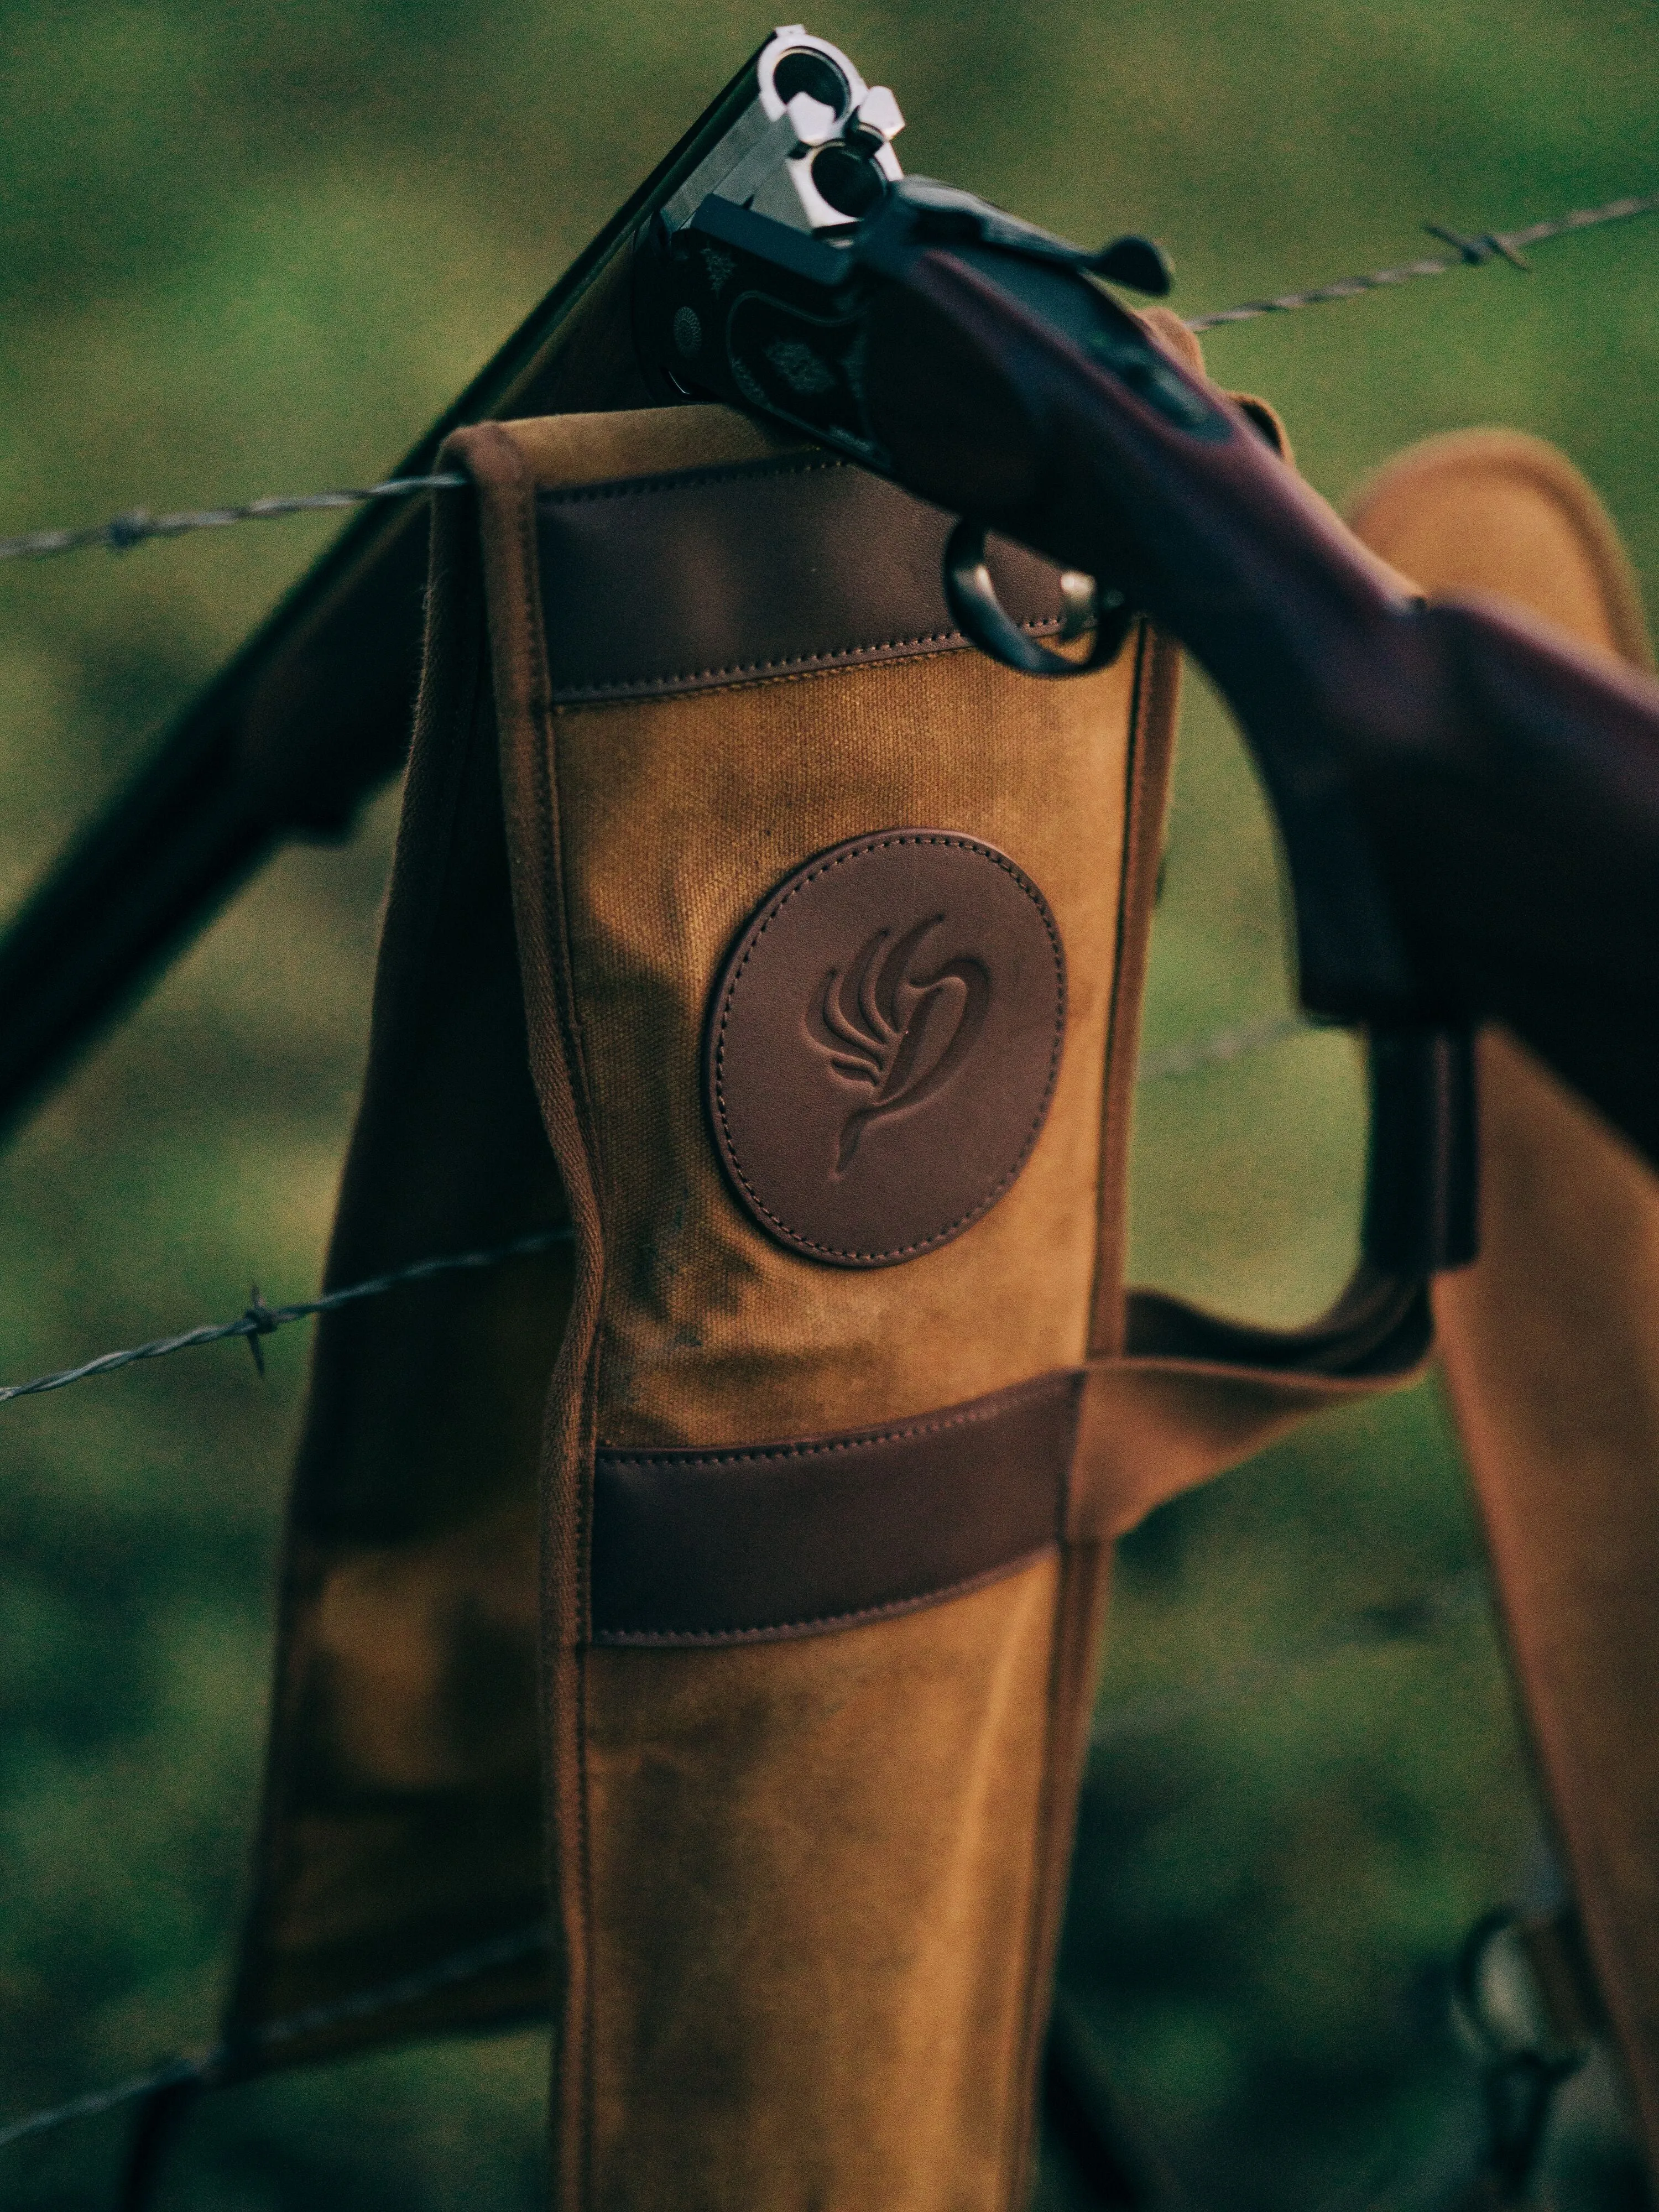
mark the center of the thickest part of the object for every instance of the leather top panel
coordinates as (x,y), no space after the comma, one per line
(759,570)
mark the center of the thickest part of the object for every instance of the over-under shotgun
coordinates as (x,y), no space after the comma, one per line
(1469,802)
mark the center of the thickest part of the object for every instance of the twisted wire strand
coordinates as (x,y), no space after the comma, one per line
(258,1320)
(123,532)
(1374,1628)
(1474,253)
(469,1965)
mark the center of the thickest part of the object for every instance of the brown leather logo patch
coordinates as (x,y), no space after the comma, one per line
(882,1045)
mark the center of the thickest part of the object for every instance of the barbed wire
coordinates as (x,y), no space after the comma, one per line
(123,532)
(469,1965)
(259,1319)
(1475,252)
(1372,1628)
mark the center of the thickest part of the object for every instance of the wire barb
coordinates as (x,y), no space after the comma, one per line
(264,1323)
(1471,253)
(258,1320)
(1477,251)
(124,532)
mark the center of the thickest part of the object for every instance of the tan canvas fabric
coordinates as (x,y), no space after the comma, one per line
(402,1817)
(707,1332)
(803,1893)
(1551,1342)
(679,815)
(822,1985)
(642,833)
(401,1828)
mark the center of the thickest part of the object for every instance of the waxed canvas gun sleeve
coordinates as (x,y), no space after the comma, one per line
(1551,1342)
(827,943)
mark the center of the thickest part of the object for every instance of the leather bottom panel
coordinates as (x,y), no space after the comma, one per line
(811,1874)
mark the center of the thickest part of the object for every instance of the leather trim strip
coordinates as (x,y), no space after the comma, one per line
(791,1539)
(745,573)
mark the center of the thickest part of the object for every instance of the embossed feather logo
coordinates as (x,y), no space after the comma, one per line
(900,1033)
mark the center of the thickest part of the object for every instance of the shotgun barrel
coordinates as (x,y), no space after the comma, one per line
(313,714)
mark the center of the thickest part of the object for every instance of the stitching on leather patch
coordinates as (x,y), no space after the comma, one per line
(700,1545)
(983,1203)
(928,642)
(918,643)
(921,646)
(645,1638)
(995,1409)
(781,464)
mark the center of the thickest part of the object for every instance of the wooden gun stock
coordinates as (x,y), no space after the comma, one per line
(1521,842)
(1469,799)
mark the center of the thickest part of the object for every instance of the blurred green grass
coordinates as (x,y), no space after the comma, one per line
(257,250)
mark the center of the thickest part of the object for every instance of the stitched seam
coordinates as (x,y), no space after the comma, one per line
(772,1628)
(1121,1021)
(981,1205)
(653,690)
(735,472)
(763,1454)
(688,479)
(1048,1891)
(538,710)
(939,640)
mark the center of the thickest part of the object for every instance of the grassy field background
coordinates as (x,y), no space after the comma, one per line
(255,250)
